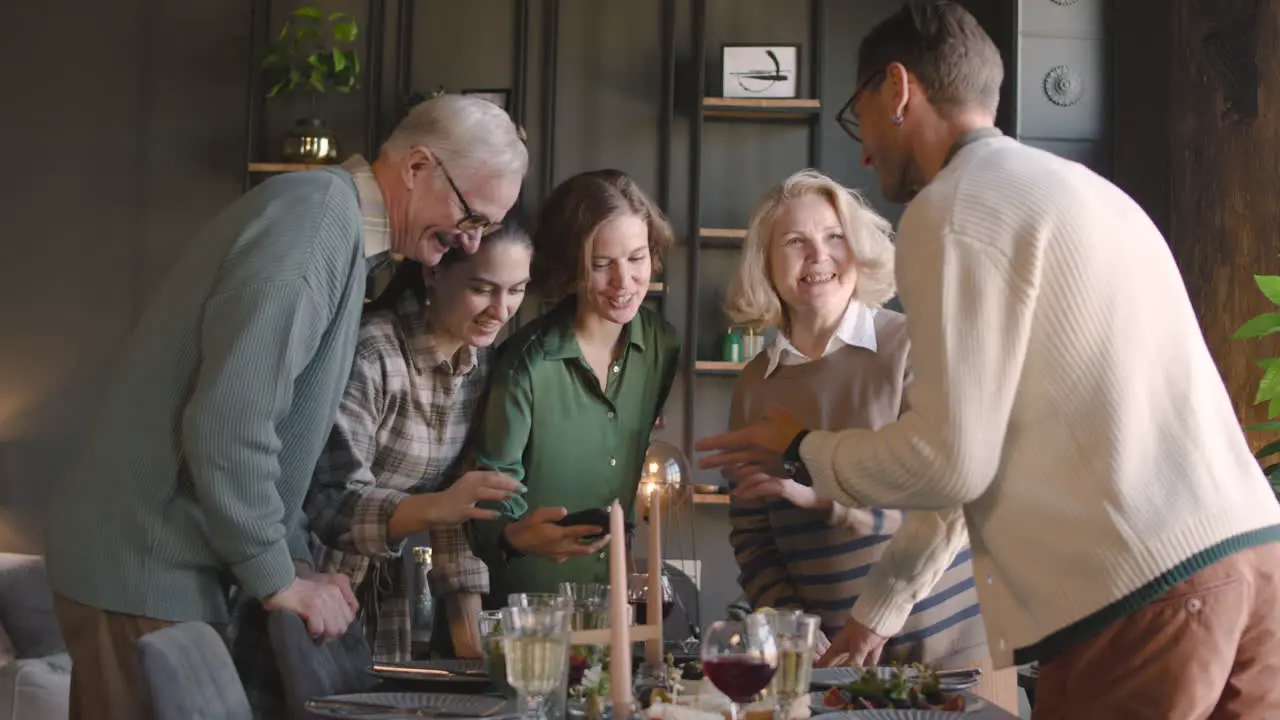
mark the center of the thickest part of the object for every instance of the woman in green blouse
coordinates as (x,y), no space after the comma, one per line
(577,391)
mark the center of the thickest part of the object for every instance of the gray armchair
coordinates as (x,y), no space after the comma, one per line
(190,674)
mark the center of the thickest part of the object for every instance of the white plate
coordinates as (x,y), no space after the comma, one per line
(892,715)
(840,676)
(382,706)
(972,704)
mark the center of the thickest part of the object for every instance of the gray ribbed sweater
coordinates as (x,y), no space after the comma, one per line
(205,443)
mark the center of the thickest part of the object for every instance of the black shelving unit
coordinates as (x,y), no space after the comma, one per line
(376,29)
(700,237)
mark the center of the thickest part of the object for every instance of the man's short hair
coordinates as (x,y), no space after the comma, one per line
(943,45)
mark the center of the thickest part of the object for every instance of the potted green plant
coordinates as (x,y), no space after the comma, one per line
(314,53)
(1269,387)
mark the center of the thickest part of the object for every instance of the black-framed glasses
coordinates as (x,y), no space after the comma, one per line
(847,118)
(471,221)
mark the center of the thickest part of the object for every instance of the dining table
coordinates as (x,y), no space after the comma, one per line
(473,684)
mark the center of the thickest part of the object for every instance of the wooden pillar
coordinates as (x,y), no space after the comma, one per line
(1197,142)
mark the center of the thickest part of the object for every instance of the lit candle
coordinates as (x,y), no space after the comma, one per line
(653,646)
(620,646)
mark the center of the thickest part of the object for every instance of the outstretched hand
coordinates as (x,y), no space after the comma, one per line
(761,443)
(855,644)
(751,483)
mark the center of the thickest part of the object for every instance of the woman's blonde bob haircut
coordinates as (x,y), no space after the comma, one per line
(753,299)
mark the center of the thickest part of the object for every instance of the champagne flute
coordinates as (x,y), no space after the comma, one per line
(536,641)
(740,658)
(794,632)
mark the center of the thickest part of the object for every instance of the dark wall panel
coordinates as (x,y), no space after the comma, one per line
(463,45)
(125,130)
(608,86)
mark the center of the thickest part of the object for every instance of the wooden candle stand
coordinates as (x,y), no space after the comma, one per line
(621,633)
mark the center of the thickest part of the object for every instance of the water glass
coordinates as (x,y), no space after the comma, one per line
(536,642)
(538,600)
(589,603)
(495,662)
(795,634)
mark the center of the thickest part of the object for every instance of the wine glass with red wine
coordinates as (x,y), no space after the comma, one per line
(638,597)
(740,658)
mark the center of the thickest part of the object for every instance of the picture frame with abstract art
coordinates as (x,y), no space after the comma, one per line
(760,71)
(500,97)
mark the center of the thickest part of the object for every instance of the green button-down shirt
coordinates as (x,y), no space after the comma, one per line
(549,424)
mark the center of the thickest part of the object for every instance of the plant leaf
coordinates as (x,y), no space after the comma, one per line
(1270,286)
(317,80)
(309,11)
(339,60)
(316,61)
(1269,386)
(345,31)
(284,31)
(1269,425)
(1264,324)
(336,16)
(1271,448)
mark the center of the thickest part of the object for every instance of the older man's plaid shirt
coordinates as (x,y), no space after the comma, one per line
(402,424)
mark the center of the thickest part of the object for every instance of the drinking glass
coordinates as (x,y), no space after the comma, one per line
(495,661)
(794,632)
(539,600)
(638,597)
(589,604)
(740,658)
(536,641)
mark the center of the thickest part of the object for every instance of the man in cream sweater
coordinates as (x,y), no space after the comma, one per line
(1123,535)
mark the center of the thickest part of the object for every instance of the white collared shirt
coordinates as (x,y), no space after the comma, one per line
(373,208)
(857,328)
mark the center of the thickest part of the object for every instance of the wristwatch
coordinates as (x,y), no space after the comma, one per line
(792,465)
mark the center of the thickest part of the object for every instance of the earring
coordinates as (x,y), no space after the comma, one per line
(897,119)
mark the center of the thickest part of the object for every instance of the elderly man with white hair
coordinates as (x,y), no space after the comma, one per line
(193,474)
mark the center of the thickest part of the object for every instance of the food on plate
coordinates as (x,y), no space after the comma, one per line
(914,687)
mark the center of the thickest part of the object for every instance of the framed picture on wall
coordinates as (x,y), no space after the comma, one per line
(501,98)
(761,71)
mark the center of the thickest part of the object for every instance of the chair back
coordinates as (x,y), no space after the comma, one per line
(310,668)
(189,672)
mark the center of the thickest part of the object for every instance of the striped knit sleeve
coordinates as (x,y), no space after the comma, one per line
(762,573)
(921,551)
(254,341)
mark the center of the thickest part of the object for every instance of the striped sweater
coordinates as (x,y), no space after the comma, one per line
(820,561)
(194,471)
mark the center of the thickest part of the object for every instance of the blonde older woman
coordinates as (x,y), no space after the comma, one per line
(816,266)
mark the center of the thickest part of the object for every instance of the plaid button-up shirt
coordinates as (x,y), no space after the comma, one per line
(401,427)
